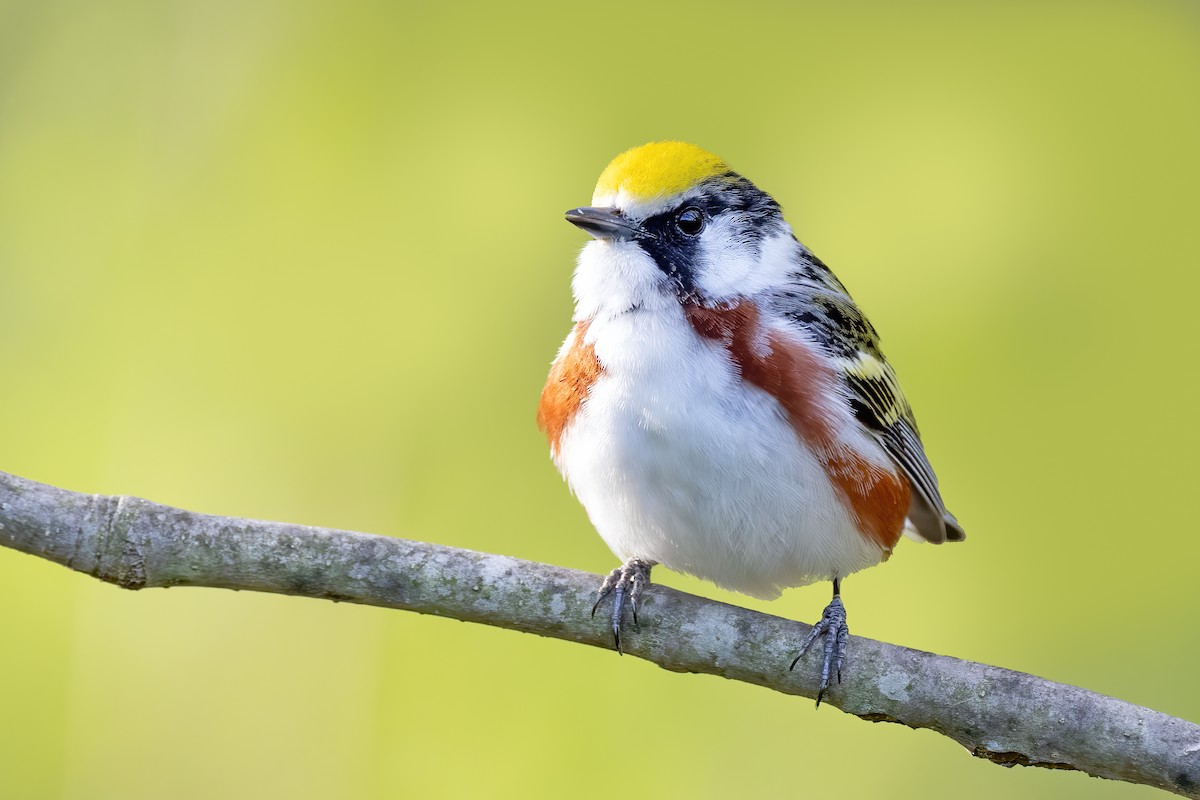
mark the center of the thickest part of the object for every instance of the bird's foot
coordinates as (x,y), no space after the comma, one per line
(835,630)
(625,582)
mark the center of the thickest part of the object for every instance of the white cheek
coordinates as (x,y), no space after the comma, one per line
(613,277)
(723,264)
(729,269)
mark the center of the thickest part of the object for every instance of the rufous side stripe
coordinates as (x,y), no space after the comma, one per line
(877,498)
(571,378)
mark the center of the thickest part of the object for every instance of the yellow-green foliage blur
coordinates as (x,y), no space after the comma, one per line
(306,261)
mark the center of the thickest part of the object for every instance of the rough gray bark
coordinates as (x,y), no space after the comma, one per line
(1007,717)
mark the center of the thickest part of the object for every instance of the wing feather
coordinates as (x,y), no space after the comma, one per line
(816,301)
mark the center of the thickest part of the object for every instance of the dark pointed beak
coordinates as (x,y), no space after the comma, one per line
(603,223)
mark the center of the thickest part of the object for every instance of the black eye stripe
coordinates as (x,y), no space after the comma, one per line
(672,238)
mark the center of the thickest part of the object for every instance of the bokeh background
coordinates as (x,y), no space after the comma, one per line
(306,261)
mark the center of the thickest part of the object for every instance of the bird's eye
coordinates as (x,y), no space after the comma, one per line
(690,221)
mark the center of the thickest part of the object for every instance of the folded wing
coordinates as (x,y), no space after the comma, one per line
(817,302)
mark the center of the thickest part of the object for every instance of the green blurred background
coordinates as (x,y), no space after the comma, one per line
(306,261)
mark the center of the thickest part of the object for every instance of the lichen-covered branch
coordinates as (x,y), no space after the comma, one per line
(1007,717)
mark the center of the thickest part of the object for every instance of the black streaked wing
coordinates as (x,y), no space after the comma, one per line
(818,302)
(879,404)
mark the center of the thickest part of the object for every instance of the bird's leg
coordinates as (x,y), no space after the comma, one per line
(833,626)
(627,580)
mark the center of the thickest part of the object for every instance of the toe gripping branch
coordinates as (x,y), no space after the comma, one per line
(626,581)
(833,627)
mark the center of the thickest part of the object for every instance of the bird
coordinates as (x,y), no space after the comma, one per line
(721,406)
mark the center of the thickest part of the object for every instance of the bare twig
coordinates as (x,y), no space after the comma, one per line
(1007,717)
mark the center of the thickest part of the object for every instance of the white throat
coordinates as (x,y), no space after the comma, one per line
(612,278)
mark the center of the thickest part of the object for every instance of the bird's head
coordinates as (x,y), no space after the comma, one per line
(671,223)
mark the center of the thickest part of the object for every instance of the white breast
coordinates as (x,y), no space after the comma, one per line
(679,462)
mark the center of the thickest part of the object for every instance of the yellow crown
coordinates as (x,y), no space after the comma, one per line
(657,170)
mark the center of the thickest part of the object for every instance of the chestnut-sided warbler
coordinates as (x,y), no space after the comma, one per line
(721,406)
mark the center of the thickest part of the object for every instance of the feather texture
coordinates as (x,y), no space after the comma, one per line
(723,407)
(814,300)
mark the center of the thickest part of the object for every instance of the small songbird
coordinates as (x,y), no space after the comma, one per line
(721,406)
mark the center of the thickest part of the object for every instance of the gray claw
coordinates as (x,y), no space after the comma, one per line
(628,580)
(836,632)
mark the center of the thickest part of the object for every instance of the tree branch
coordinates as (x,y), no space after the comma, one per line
(1007,717)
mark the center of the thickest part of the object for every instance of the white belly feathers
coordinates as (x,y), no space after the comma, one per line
(680,462)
